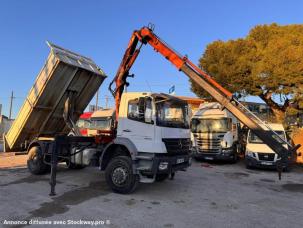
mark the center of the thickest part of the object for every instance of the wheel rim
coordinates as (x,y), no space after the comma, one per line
(34,157)
(119,176)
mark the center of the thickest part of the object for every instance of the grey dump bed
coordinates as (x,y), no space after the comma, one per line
(41,114)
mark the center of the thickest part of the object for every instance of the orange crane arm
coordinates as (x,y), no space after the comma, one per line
(224,97)
(145,35)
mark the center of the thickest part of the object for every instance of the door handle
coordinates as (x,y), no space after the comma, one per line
(127,130)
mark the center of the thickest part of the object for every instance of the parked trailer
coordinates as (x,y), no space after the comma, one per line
(65,76)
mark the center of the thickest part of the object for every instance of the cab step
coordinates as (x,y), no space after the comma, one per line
(144,179)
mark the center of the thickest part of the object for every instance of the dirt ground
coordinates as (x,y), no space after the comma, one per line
(9,160)
(207,195)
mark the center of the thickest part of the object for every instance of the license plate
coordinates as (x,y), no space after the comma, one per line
(180,160)
(208,158)
(266,163)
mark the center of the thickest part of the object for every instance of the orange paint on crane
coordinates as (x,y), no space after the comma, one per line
(298,139)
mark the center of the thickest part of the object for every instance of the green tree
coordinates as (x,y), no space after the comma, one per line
(267,62)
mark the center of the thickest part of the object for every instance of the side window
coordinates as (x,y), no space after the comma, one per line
(133,109)
(140,109)
(148,114)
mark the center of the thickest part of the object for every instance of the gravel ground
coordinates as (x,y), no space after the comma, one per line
(207,195)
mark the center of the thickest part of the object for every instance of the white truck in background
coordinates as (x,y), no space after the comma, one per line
(101,121)
(258,154)
(215,133)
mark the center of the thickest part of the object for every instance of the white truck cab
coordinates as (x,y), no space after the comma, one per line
(153,132)
(214,133)
(158,126)
(257,153)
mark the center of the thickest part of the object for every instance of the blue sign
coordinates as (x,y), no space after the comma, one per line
(171,90)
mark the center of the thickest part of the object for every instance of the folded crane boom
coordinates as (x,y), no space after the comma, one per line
(146,36)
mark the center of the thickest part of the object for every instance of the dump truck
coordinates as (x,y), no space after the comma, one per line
(66,78)
(149,143)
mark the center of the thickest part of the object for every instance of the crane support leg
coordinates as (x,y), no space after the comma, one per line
(54,162)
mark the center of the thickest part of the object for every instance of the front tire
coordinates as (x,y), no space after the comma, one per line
(35,163)
(119,175)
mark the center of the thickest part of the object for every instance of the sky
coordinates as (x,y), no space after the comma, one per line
(101,30)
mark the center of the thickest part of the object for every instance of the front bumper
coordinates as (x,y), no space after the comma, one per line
(172,164)
(224,155)
(252,162)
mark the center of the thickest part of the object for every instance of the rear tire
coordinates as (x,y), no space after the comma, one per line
(35,163)
(119,175)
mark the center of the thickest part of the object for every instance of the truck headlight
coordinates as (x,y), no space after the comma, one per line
(163,165)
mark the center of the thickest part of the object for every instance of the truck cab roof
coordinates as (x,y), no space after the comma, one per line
(154,95)
(212,110)
(103,113)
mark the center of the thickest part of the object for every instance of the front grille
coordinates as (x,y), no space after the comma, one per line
(177,146)
(208,145)
(266,157)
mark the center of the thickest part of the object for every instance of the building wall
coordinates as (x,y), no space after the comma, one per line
(193,103)
(5,124)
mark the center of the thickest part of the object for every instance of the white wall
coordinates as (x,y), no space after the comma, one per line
(5,124)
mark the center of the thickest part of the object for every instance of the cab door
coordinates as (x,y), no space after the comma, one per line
(139,125)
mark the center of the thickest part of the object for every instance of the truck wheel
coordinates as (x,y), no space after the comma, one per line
(119,175)
(35,162)
(161,177)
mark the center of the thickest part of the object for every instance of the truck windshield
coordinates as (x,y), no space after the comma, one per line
(100,123)
(210,125)
(252,138)
(172,114)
